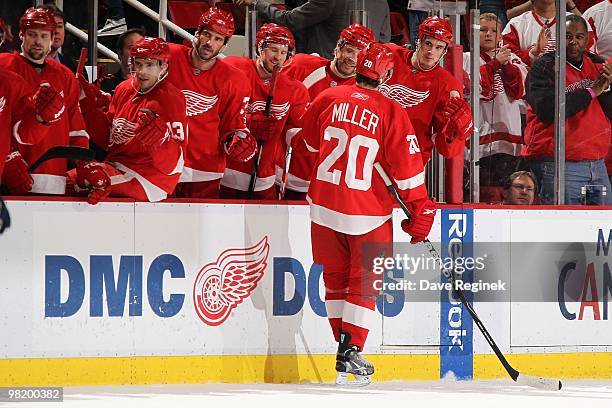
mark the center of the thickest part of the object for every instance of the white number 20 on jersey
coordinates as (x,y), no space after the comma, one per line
(350,175)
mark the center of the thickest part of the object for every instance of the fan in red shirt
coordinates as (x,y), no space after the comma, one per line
(275,45)
(56,99)
(432,97)
(317,74)
(351,127)
(216,95)
(145,149)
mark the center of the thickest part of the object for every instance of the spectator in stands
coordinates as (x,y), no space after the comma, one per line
(599,18)
(502,77)
(324,18)
(6,36)
(115,22)
(520,188)
(497,8)
(532,33)
(587,129)
(58,38)
(418,10)
(124,43)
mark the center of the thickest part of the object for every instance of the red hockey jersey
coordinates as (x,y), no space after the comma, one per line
(316,75)
(50,177)
(352,128)
(216,101)
(18,122)
(159,173)
(587,132)
(288,105)
(423,94)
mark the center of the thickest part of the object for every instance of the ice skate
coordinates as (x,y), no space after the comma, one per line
(349,362)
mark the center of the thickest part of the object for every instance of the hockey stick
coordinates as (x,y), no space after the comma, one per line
(82,60)
(524,379)
(285,178)
(63,152)
(260,142)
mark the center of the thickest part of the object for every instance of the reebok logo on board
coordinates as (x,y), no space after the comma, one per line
(222,285)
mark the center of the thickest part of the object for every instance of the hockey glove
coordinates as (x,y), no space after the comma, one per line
(5,218)
(49,103)
(458,115)
(151,130)
(241,146)
(93,177)
(16,177)
(421,220)
(262,126)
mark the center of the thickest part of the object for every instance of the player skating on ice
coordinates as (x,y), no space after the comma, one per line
(350,128)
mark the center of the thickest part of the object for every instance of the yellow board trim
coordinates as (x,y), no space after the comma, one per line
(556,365)
(279,369)
(202,369)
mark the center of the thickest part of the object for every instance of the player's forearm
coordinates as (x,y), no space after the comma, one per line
(308,14)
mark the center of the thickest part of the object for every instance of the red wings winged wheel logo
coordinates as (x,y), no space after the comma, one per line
(222,285)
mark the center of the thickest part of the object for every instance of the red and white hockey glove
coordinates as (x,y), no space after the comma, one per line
(241,146)
(150,130)
(421,220)
(459,123)
(15,176)
(93,177)
(49,103)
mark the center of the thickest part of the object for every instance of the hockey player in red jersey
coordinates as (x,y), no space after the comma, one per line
(432,97)
(216,95)
(317,74)
(275,45)
(145,153)
(351,127)
(55,96)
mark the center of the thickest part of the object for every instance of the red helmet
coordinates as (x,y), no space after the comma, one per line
(277,34)
(374,61)
(35,18)
(150,48)
(356,35)
(217,20)
(437,28)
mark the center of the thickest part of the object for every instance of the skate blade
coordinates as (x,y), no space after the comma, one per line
(343,380)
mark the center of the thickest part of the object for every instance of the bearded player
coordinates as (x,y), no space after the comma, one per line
(216,95)
(350,128)
(56,98)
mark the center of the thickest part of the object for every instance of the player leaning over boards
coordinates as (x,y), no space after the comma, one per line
(216,95)
(432,97)
(288,99)
(146,138)
(351,127)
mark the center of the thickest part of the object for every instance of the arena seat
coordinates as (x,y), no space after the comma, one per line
(400,34)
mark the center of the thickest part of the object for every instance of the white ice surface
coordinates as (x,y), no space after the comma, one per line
(489,394)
